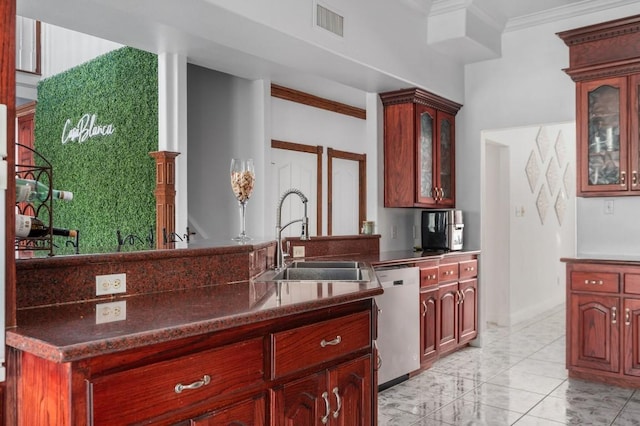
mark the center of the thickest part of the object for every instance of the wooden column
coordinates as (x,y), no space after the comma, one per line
(8,394)
(165,195)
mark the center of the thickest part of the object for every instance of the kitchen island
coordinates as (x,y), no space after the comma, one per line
(196,340)
(603,319)
(223,353)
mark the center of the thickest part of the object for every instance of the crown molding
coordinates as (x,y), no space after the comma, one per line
(564,12)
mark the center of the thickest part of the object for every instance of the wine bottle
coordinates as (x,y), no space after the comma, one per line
(30,190)
(32,227)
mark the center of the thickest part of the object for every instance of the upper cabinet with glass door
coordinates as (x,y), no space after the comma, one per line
(605,64)
(419,149)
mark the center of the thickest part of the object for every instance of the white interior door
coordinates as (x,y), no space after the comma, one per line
(345,197)
(293,169)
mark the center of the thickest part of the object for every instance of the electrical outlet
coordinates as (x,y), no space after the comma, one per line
(394,232)
(110,312)
(111,284)
(298,251)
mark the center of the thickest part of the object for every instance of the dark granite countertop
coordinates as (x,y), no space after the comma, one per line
(71,332)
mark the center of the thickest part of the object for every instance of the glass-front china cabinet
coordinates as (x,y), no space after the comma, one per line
(605,64)
(419,149)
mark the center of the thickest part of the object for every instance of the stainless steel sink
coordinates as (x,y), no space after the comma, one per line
(325,264)
(320,270)
(321,274)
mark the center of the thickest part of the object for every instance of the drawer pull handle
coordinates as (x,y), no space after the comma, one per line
(470,268)
(627,316)
(325,419)
(206,379)
(594,282)
(338,401)
(614,315)
(333,342)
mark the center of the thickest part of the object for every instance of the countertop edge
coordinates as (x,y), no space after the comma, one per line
(609,260)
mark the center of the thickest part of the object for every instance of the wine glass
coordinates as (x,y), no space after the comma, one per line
(243,178)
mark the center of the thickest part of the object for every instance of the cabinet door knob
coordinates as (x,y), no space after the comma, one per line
(623,178)
(627,316)
(424,308)
(614,315)
(195,385)
(324,343)
(634,178)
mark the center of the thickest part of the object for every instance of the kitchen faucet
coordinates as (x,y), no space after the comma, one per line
(280,228)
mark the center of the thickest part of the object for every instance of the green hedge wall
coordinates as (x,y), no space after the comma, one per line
(112,176)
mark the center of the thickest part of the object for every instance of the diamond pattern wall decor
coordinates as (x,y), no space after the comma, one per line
(542,203)
(552,161)
(543,142)
(532,170)
(553,176)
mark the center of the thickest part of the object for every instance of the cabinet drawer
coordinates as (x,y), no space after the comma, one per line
(632,283)
(448,272)
(469,269)
(428,276)
(303,347)
(602,282)
(146,392)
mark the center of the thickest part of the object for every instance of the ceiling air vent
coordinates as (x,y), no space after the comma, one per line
(329,20)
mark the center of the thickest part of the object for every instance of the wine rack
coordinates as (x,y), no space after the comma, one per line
(42,210)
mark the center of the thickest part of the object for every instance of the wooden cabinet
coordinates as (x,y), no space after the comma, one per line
(151,390)
(337,396)
(603,321)
(419,149)
(468,311)
(604,63)
(299,369)
(428,325)
(249,412)
(449,305)
(595,341)
(458,305)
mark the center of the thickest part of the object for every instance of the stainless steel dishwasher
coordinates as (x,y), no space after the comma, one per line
(398,324)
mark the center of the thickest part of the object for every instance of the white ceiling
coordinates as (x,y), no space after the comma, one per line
(248,40)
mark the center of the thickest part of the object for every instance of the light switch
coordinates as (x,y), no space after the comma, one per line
(608,207)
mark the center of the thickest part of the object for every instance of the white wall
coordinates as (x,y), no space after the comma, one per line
(529,200)
(226,119)
(222,122)
(526,86)
(303,124)
(63,49)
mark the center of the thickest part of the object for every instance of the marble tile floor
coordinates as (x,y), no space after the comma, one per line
(517,378)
